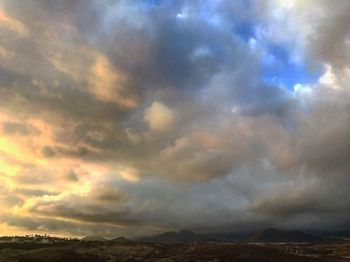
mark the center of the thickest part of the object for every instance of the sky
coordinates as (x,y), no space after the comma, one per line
(135,117)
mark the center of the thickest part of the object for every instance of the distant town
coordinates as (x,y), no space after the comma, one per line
(44,239)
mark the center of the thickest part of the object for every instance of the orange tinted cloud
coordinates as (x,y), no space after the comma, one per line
(107,83)
(13,24)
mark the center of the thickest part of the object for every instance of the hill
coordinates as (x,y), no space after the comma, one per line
(230,237)
(93,238)
(121,240)
(180,236)
(272,235)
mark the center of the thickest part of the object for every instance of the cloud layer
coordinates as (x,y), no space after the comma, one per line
(134,117)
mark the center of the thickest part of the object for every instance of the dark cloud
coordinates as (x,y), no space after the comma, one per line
(72,176)
(10,128)
(34,192)
(48,151)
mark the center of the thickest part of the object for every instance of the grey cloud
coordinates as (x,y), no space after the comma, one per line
(104,206)
(34,192)
(18,128)
(72,176)
(87,213)
(48,151)
(35,176)
(62,227)
(330,39)
(106,194)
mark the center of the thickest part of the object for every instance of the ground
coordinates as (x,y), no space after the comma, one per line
(184,252)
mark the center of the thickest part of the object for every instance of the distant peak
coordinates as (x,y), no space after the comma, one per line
(93,238)
(185,231)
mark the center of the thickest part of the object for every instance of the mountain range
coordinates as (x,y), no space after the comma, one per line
(269,235)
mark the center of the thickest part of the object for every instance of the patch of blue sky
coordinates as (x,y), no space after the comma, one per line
(278,68)
(245,30)
(153,2)
(246,3)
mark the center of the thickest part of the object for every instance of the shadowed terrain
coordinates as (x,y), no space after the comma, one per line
(110,251)
(272,235)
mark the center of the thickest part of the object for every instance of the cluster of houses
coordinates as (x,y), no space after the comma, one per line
(43,239)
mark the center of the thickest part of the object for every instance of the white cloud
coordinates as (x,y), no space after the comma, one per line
(159,117)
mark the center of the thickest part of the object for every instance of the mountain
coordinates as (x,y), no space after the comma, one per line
(121,240)
(272,235)
(93,238)
(180,236)
(229,237)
